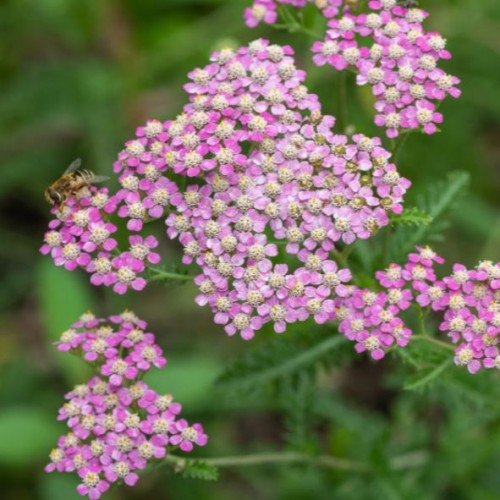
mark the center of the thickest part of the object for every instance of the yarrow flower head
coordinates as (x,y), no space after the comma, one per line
(117,423)
(80,230)
(469,300)
(311,188)
(81,236)
(400,65)
(390,51)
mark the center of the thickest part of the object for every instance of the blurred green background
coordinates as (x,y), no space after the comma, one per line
(76,78)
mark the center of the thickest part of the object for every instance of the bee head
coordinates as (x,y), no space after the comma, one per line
(53,197)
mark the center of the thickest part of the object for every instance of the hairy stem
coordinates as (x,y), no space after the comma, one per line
(398,145)
(408,461)
(278,458)
(421,319)
(432,340)
(160,275)
(293,24)
(342,117)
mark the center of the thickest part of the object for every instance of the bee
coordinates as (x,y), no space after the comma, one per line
(70,183)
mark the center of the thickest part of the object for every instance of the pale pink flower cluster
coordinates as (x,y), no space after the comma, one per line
(306,196)
(471,304)
(117,423)
(274,174)
(389,50)
(81,236)
(400,63)
(265,11)
(468,299)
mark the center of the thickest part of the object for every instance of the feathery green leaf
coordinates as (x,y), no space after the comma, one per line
(437,201)
(412,216)
(276,359)
(198,469)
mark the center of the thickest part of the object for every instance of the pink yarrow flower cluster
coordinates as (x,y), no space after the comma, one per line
(311,189)
(318,196)
(390,51)
(469,300)
(80,230)
(265,11)
(400,65)
(117,423)
(81,236)
(371,319)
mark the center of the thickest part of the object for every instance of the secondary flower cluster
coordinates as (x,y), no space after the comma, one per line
(390,51)
(117,423)
(265,10)
(80,236)
(401,64)
(469,300)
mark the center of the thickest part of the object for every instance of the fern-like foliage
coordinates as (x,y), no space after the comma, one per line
(172,275)
(276,359)
(436,202)
(429,365)
(425,377)
(198,469)
(412,216)
(297,396)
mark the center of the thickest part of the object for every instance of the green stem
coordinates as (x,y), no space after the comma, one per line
(342,261)
(160,275)
(278,458)
(398,144)
(421,319)
(432,340)
(387,244)
(278,242)
(297,28)
(342,115)
(342,257)
(293,25)
(407,461)
(347,251)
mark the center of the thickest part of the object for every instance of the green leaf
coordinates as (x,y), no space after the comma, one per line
(174,274)
(26,435)
(198,469)
(437,201)
(297,396)
(64,297)
(425,377)
(278,358)
(412,216)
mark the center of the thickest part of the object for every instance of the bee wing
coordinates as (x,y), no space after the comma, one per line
(73,167)
(99,178)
